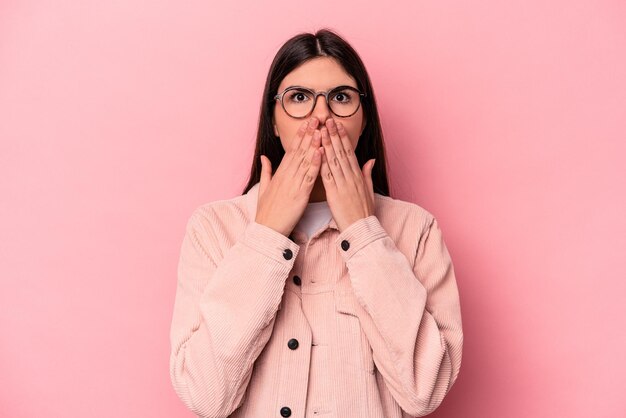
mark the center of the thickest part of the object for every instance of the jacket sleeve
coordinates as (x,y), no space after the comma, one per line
(412,314)
(224,311)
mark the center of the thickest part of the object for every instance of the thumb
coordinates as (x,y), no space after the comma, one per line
(368,167)
(266,173)
(367,173)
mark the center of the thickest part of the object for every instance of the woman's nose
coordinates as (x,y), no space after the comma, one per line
(321,110)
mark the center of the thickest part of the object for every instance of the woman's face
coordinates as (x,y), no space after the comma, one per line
(318,74)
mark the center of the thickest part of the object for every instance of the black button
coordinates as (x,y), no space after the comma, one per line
(345,245)
(287,254)
(297,280)
(285,411)
(292,343)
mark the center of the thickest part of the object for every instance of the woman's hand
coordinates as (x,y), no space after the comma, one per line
(283,196)
(349,190)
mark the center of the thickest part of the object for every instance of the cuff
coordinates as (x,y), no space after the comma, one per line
(358,235)
(270,242)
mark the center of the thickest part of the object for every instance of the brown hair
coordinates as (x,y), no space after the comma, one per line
(294,52)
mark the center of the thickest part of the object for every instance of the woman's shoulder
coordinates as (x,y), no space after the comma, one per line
(226,216)
(398,209)
(404,221)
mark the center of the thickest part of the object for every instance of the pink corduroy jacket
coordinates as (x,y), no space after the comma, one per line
(360,323)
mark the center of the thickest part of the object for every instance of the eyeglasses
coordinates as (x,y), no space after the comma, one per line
(298,102)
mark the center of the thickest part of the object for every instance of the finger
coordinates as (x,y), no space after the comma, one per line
(331,158)
(311,175)
(309,168)
(327,176)
(297,140)
(266,173)
(340,152)
(300,152)
(347,146)
(367,175)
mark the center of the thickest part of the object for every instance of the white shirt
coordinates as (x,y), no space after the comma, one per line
(316,215)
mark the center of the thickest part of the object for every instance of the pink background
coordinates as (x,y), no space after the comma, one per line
(506,121)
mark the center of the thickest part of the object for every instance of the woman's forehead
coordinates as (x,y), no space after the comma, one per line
(319,74)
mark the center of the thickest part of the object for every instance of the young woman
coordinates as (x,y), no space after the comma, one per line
(315,293)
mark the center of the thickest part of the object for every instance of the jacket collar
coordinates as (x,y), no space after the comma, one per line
(252,199)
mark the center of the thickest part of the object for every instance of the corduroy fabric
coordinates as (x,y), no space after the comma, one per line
(372,328)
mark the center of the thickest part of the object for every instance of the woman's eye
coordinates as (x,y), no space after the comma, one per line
(298,96)
(342,97)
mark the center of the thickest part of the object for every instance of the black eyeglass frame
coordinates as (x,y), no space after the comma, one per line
(280,96)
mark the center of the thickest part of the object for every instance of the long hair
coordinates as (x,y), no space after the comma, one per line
(294,52)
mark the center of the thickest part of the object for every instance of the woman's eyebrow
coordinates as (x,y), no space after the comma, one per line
(309,88)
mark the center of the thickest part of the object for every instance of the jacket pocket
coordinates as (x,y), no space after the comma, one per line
(353,346)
